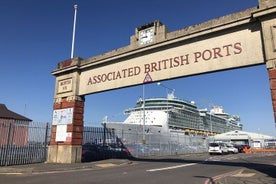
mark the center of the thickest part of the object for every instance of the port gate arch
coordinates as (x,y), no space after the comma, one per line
(241,39)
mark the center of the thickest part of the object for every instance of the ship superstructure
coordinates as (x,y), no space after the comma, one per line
(176,114)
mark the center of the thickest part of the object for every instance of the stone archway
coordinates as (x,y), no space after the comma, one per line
(241,39)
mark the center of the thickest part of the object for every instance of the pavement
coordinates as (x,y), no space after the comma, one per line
(58,167)
(241,176)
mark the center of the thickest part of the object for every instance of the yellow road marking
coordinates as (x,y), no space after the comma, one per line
(246,175)
(106,165)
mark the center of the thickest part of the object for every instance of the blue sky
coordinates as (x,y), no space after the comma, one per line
(35,35)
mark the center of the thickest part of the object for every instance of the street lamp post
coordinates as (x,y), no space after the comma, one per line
(173,90)
(144,121)
(211,124)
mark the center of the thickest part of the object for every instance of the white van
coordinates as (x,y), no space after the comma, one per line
(217,148)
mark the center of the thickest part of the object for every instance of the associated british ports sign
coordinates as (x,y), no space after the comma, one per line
(236,49)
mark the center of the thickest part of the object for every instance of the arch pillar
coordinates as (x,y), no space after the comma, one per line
(66,139)
(68,114)
(267,16)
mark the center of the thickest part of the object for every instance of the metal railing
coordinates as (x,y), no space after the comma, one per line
(23,142)
(27,142)
(154,145)
(164,144)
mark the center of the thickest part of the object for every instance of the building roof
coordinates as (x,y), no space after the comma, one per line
(238,135)
(5,113)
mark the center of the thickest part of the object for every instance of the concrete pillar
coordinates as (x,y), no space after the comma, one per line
(267,16)
(266,3)
(272,80)
(70,149)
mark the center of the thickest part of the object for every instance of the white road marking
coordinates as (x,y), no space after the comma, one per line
(172,167)
(11,173)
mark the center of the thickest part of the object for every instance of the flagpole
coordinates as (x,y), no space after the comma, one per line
(74,31)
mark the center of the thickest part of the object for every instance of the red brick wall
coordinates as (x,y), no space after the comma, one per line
(272,80)
(76,128)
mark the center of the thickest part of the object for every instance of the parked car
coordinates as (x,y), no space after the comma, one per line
(217,148)
(232,149)
(241,147)
(92,152)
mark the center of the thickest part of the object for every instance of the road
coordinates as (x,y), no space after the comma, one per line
(194,168)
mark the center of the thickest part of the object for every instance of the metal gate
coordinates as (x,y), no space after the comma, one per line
(101,143)
(23,143)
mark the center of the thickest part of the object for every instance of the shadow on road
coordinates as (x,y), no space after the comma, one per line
(269,170)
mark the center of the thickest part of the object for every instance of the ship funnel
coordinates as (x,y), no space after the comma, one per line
(171,95)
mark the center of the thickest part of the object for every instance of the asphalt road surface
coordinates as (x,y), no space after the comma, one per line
(193,168)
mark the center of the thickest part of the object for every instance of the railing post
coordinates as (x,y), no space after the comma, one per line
(104,136)
(45,140)
(8,145)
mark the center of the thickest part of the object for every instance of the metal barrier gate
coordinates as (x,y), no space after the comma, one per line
(23,143)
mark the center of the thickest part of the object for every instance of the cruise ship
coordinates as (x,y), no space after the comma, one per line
(170,114)
(169,119)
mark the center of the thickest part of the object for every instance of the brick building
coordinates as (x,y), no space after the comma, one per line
(13,127)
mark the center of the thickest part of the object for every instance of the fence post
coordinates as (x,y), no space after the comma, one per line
(8,145)
(45,140)
(104,136)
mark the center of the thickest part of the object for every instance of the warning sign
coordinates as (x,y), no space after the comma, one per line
(147,78)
